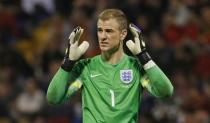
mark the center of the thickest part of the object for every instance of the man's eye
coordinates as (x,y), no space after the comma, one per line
(109,30)
(99,30)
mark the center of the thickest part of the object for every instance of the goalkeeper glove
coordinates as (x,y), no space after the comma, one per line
(73,51)
(138,47)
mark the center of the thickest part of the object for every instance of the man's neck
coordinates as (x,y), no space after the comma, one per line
(114,57)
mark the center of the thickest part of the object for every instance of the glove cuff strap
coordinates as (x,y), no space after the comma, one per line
(143,57)
(67,64)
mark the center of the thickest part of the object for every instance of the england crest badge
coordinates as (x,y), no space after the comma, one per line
(126,76)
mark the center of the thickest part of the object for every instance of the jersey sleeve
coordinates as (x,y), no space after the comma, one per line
(64,84)
(156,82)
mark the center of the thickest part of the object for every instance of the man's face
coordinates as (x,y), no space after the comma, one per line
(110,35)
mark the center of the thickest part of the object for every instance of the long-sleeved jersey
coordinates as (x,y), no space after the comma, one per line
(110,93)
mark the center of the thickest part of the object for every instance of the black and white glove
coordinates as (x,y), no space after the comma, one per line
(138,47)
(73,50)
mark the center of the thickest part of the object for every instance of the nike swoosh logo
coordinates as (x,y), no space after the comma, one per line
(95,75)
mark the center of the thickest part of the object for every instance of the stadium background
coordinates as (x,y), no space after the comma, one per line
(33,35)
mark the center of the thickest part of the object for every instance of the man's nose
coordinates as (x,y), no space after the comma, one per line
(103,35)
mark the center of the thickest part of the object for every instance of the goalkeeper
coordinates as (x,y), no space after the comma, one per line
(112,82)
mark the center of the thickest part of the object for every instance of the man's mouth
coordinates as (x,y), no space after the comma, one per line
(104,42)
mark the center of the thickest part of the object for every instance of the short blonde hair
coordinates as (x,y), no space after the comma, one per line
(114,14)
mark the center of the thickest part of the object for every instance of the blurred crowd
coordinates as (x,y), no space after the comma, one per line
(33,36)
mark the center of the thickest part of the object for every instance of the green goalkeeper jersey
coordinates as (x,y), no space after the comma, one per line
(110,93)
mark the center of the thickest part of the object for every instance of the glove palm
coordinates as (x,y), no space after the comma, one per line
(138,45)
(74,52)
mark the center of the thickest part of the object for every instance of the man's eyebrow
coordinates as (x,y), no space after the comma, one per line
(109,30)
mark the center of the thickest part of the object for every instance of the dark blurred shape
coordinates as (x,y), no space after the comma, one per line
(12,59)
(64,7)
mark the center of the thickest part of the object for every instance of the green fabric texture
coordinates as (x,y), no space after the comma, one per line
(159,84)
(57,89)
(110,93)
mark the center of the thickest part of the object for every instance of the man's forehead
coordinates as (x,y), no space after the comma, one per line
(108,23)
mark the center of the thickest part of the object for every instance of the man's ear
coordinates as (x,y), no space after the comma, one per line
(124,34)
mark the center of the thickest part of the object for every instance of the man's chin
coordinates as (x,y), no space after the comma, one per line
(104,49)
(108,49)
